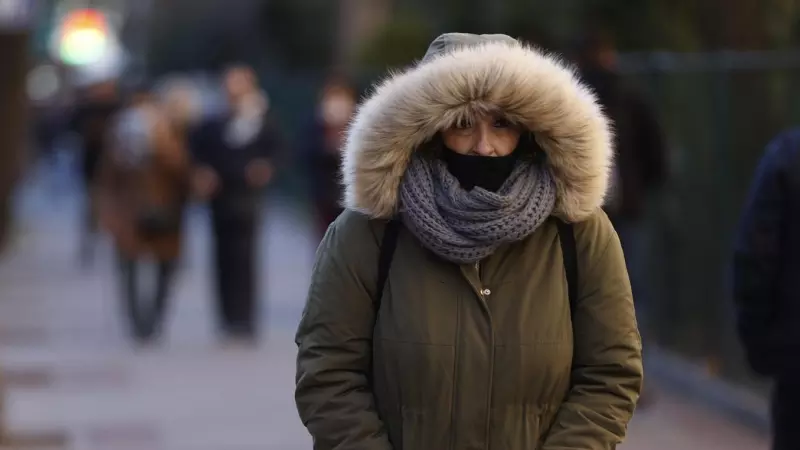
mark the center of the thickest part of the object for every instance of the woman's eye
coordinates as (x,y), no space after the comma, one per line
(502,123)
(463,124)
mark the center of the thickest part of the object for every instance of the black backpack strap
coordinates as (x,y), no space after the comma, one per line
(388,244)
(566,235)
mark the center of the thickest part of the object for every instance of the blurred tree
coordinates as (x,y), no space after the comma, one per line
(358,21)
(203,34)
(521,20)
(402,41)
(780,21)
(640,24)
(467,16)
(301,33)
(180,35)
(689,25)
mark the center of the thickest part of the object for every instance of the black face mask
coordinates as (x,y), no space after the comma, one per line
(488,172)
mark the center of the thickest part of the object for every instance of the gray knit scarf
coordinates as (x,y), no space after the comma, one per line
(466,226)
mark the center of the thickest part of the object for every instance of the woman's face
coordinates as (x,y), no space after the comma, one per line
(488,136)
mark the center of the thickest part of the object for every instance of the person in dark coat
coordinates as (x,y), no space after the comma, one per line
(641,162)
(324,146)
(235,154)
(766,264)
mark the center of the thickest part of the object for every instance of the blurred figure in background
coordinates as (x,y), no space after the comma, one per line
(641,151)
(142,194)
(48,101)
(181,105)
(235,155)
(94,111)
(326,138)
(183,110)
(640,165)
(765,275)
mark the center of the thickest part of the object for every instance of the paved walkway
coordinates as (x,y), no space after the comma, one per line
(71,370)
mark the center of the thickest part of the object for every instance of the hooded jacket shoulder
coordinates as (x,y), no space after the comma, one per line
(464,76)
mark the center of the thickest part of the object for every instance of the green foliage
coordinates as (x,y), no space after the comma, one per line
(402,41)
(302,33)
(181,37)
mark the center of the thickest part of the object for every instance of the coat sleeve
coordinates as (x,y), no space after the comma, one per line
(334,340)
(200,140)
(756,259)
(607,360)
(272,144)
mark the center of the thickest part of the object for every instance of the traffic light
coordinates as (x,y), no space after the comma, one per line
(83,37)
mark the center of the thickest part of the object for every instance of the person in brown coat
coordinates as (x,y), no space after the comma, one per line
(142,194)
(473,295)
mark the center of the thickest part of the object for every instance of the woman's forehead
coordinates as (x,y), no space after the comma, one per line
(481,117)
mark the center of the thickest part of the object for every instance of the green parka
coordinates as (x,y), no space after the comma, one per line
(471,357)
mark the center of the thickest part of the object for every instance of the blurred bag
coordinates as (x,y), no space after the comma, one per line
(158,221)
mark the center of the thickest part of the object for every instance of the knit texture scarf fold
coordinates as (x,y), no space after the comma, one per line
(466,226)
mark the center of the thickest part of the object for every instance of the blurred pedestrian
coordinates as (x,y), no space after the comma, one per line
(325,141)
(640,166)
(473,294)
(766,265)
(96,106)
(144,186)
(182,106)
(235,154)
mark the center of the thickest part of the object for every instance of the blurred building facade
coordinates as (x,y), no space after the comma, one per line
(16,22)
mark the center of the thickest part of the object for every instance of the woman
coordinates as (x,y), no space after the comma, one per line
(480,152)
(142,196)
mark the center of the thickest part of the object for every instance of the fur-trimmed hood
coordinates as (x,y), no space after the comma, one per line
(465,75)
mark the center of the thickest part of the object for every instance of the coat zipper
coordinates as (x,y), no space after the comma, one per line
(482,294)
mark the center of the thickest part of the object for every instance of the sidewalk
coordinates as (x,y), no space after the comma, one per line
(71,370)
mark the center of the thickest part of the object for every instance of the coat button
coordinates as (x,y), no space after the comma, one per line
(486,292)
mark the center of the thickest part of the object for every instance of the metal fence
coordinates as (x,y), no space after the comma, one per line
(719,111)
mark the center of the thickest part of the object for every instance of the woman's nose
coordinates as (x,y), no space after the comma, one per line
(484,146)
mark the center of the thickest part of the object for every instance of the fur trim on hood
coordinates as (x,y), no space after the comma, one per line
(480,75)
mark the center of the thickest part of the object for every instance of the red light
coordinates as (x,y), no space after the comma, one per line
(84,19)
